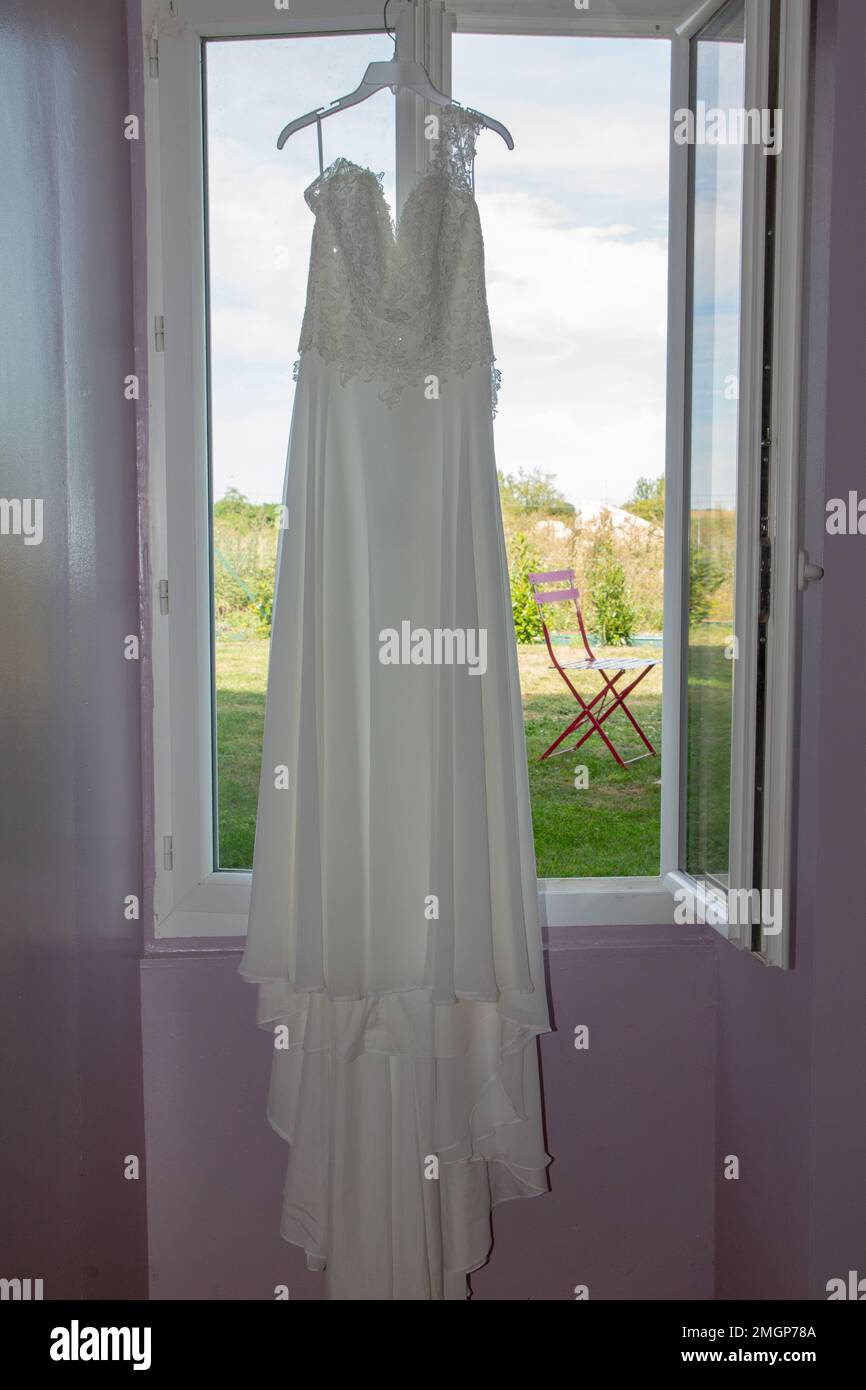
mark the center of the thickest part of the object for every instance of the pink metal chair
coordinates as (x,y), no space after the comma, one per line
(609,699)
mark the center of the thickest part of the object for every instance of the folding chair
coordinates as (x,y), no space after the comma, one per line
(608,699)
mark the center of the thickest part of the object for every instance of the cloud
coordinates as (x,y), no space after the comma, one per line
(579,326)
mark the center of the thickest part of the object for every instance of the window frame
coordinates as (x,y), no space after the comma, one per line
(191,900)
(784,470)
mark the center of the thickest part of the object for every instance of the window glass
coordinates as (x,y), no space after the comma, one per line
(258,245)
(711,471)
(575,224)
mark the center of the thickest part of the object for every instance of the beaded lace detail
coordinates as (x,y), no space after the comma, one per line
(402,304)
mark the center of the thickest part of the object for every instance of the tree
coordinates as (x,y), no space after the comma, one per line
(648,499)
(533,491)
(240,514)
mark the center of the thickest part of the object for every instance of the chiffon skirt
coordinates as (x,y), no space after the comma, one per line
(393,925)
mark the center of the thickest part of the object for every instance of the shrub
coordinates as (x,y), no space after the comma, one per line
(524,562)
(613,613)
(706,575)
(245,550)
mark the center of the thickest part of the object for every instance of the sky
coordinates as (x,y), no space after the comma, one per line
(575,224)
(716,286)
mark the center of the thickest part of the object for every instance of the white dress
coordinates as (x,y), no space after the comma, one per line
(393,925)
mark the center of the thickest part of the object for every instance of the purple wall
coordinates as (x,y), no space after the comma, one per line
(70,821)
(838,1120)
(629,1121)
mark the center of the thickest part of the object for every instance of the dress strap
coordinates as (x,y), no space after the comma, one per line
(455,152)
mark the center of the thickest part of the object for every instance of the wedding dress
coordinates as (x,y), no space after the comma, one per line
(393,926)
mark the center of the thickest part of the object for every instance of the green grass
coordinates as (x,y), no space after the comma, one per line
(709,751)
(610,827)
(241,680)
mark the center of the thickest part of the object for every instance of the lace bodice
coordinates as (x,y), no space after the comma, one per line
(401,304)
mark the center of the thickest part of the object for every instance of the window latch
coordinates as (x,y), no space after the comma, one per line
(807,573)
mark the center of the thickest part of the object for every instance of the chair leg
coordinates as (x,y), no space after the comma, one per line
(619,699)
(596,721)
(619,703)
(596,728)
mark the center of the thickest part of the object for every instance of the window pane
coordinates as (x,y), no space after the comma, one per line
(258,242)
(575,228)
(718,57)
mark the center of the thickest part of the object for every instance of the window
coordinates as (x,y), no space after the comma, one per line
(228,243)
(736,210)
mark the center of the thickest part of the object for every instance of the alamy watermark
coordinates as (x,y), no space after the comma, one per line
(713,125)
(438,646)
(22,516)
(711,907)
(846,516)
(853,1288)
(21,1290)
(77,1343)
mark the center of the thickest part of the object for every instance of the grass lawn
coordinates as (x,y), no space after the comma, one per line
(241,681)
(709,741)
(609,827)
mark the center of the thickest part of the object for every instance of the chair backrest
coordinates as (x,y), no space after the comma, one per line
(567,594)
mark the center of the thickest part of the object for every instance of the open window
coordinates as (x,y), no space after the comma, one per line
(228,239)
(738,98)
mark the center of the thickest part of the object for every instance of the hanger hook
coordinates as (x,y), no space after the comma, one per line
(392,33)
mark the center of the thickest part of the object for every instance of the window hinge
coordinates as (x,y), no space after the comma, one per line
(764,579)
(153,56)
(167,852)
(159,333)
(163,596)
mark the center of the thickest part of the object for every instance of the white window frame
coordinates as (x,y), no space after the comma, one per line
(784,464)
(191,899)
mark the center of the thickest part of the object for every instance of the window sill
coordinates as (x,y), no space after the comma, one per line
(605,902)
(217,908)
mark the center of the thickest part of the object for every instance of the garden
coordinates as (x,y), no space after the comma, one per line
(590,816)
